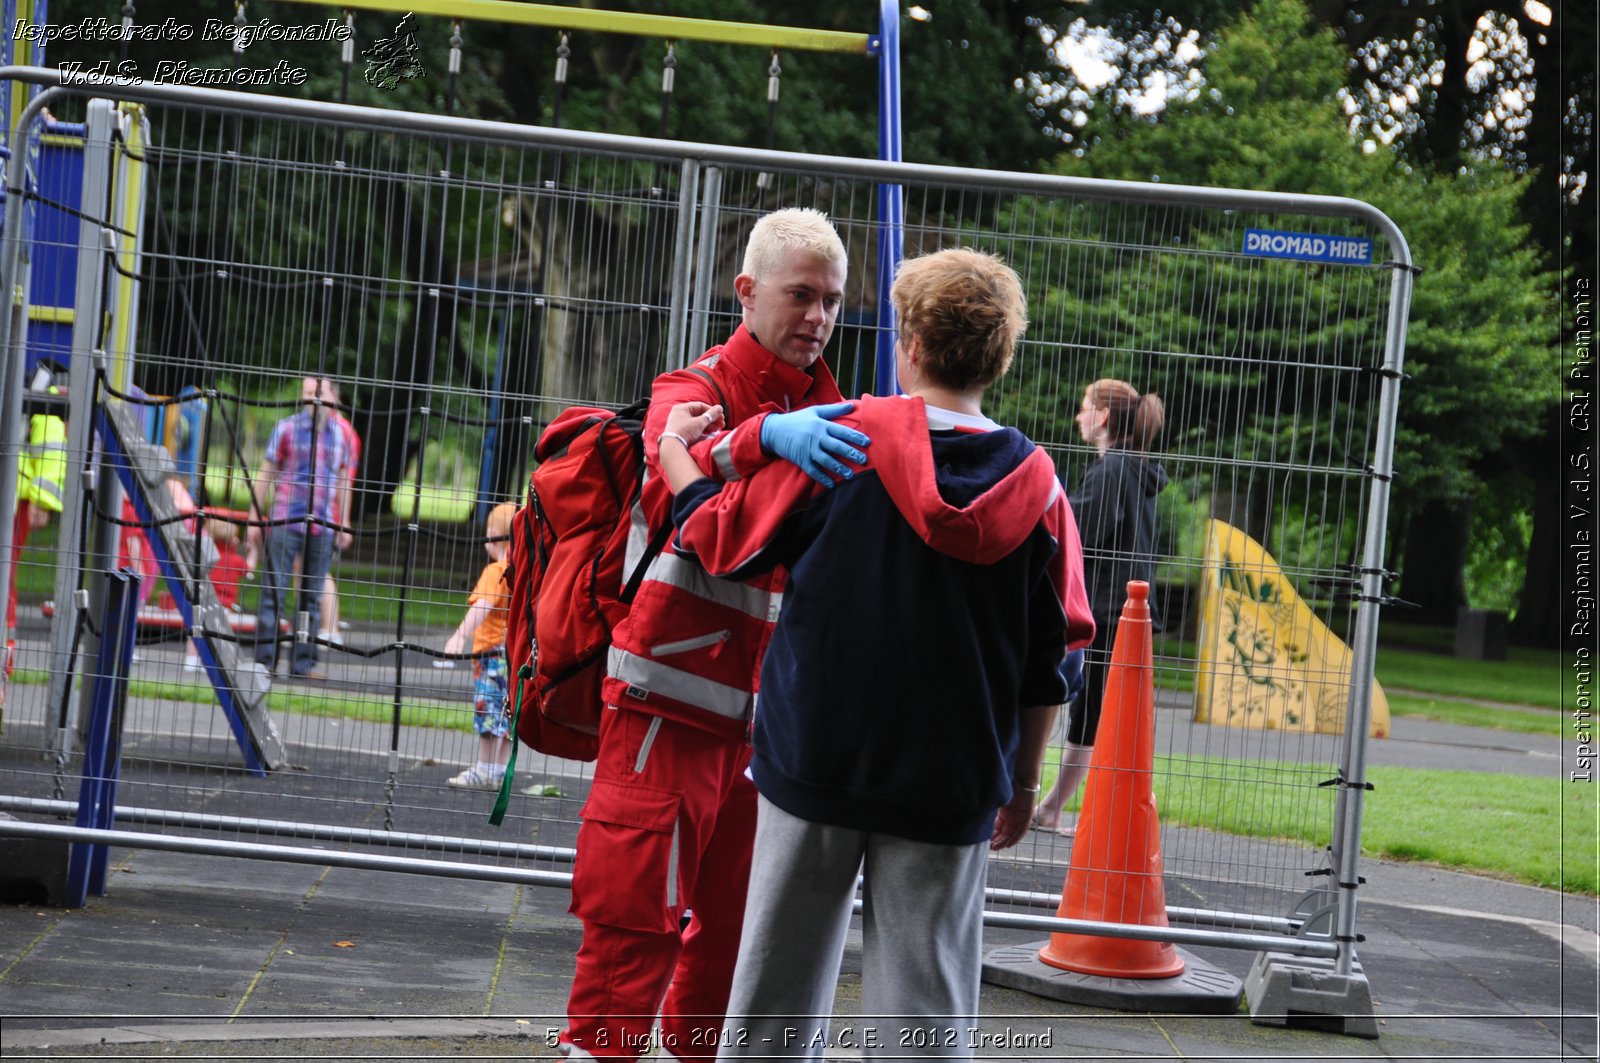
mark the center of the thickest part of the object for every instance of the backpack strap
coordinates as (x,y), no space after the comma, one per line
(658,542)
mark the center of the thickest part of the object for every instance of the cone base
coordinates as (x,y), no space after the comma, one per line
(1202,988)
(1112,957)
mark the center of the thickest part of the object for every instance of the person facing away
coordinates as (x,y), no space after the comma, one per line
(41,473)
(664,848)
(304,474)
(331,629)
(912,744)
(1116,507)
(488,613)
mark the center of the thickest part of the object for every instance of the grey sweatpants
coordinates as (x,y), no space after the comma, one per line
(923,935)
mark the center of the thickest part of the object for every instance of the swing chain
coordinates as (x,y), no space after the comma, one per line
(347,50)
(563,53)
(774,81)
(669,68)
(128,13)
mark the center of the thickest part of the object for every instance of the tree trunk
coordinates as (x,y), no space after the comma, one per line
(1246,504)
(1432,571)
(385,419)
(1538,621)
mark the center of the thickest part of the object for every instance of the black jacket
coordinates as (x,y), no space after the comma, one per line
(1115,504)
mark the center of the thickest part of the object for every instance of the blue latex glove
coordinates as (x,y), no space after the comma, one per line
(1072,672)
(809,438)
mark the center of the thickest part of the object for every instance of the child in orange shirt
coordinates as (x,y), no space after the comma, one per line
(485,623)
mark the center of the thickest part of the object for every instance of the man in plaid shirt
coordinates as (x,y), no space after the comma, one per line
(306,474)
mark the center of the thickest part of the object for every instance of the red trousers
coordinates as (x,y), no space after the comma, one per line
(668,826)
(21,525)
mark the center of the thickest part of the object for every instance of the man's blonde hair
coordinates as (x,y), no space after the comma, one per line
(967,310)
(790,229)
(499,522)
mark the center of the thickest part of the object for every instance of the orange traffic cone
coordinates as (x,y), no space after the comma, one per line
(1116,874)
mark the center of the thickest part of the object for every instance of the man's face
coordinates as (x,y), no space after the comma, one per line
(310,391)
(792,310)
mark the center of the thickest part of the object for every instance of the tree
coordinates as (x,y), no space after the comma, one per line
(1270,118)
(1446,84)
(961,105)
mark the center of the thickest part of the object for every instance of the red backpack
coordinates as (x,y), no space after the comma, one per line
(569,589)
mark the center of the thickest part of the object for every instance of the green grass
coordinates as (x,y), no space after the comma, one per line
(443,715)
(1528,677)
(1469,714)
(369,592)
(1522,828)
(414,712)
(433,503)
(377,608)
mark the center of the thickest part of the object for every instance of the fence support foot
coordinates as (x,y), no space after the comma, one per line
(1202,988)
(1287,990)
(34,870)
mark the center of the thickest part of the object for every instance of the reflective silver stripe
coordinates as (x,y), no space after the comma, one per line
(48,488)
(44,448)
(644,747)
(638,534)
(717,698)
(672,863)
(722,454)
(699,642)
(688,576)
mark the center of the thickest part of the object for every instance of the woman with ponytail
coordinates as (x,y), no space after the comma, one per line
(1115,504)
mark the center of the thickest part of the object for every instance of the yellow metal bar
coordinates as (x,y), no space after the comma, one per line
(21,53)
(54,315)
(670,27)
(61,140)
(128,174)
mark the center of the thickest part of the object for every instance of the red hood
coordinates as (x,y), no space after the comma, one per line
(1021,480)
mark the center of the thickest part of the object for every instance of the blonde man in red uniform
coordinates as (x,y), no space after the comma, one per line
(670,819)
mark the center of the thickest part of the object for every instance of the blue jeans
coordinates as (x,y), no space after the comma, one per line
(284,544)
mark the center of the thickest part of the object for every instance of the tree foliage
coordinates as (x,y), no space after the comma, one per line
(1480,352)
(406,237)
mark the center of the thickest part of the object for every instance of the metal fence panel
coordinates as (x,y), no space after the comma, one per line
(462,281)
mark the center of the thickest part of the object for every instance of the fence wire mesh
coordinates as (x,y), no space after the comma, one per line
(459,291)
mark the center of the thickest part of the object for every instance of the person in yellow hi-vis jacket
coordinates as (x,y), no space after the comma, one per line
(41,473)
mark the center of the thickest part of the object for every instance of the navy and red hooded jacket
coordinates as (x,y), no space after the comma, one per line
(930,603)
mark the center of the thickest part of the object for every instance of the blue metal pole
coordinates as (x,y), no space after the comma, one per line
(891,203)
(86,865)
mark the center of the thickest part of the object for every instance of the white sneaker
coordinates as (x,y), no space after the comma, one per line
(473,779)
(335,637)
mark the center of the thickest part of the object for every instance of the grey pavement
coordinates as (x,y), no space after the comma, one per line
(207,956)
(219,957)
